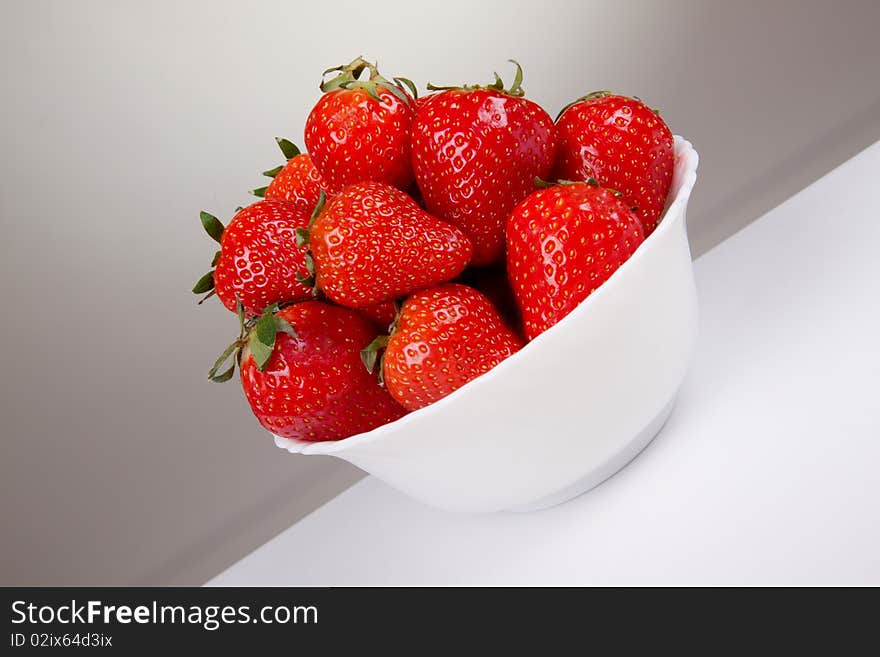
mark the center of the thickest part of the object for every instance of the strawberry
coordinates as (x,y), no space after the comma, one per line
(297,182)
(359,130)
(259,261)
(476,153)
(495,285)
(382,314)
(373,243)
(444,337)
(624,145)
(421,101)
(302,374)
(562,243)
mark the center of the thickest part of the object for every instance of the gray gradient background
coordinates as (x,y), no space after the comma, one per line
(121,464)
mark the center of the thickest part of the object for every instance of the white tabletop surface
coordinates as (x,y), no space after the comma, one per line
(768,471)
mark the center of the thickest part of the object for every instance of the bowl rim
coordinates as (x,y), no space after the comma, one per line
(683,150)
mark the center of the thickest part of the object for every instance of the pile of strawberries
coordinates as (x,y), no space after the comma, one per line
(421,241)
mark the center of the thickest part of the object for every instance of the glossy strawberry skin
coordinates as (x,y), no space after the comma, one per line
(445,337)
(354,138)
(475,155)
(315,386)
(624,145)
(373,243)
(421,101)
(380,314)
(562,243)
(259,258)
(299,183)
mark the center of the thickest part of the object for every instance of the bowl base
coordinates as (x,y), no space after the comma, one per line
(613,465)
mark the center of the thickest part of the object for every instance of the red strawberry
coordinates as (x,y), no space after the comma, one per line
(296,182)
(259,261)
(359,130)
(381,314)
(493,282)
(624,145)
(302,373)
(563,243)
(421,101)
(476,153)
(373,243)
(445,337)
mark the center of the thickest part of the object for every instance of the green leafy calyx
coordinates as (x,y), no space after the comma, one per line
(290,151)
(288,148)
(594,95)
(214,227)
(374,352)
(516,90)
(370,354)
(349,77)
(592,182)
(303,235)
(259,334)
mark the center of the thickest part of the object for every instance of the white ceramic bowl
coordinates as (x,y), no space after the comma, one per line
(567,411)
